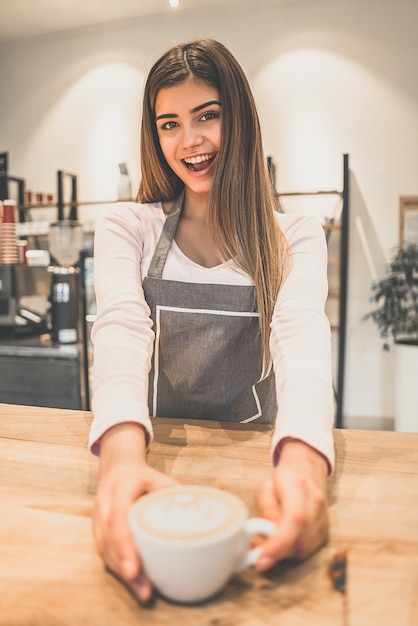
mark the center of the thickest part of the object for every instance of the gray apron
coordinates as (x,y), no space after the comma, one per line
(207,361)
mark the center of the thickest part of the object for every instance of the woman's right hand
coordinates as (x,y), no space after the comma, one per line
(124,476)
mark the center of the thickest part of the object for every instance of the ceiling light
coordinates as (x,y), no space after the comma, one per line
(174,3)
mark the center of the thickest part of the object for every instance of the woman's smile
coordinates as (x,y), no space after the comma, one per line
(200,162)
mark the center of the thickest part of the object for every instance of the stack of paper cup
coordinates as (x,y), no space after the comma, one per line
(8,253)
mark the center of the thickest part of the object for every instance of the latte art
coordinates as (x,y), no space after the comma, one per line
(189,513)
(192,539)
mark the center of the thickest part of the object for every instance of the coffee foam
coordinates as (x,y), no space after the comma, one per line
(189,513)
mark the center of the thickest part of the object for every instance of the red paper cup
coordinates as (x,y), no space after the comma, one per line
(9,210)
(28,196)
(22,246)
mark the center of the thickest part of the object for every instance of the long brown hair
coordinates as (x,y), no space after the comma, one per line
(241,204)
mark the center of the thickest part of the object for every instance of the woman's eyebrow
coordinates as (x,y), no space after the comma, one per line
(195,110)
(206,104)
(165,116)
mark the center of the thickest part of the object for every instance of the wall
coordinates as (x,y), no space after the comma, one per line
(329,77)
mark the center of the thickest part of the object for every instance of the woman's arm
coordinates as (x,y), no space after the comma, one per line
(294,496)
(124,476)
(300,344)
(121,430)
(122,333)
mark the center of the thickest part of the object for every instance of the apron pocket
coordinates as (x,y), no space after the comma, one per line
(207,365)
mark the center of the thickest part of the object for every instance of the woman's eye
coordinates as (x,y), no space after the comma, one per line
(209,115)
(168,125)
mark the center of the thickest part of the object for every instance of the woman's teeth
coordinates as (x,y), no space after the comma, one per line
(194,163)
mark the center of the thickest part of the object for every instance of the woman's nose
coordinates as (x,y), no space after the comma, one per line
(192,136)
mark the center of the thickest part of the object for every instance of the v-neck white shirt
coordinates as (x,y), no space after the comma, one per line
(179,267)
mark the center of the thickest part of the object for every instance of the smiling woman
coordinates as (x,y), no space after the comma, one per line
(210,305)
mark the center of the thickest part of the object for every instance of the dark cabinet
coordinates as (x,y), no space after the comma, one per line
(43,375)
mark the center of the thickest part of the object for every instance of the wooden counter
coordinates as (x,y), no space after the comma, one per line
(50,574)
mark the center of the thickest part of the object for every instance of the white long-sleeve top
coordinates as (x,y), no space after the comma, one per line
(300,344)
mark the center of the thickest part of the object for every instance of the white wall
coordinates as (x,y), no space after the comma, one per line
(329,76)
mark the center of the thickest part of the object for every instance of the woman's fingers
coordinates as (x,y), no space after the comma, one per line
(112,532)
(298,508)
(285,512)
(117,491)
(141,588)
(126,552)
(268,502)
(121,546)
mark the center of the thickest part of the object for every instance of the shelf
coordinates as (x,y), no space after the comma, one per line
(27,207)
(332,192)
(53,205)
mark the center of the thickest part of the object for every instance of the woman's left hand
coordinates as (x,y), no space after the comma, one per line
(294,498)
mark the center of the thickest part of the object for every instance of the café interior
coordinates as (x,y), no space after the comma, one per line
(329,79)
(334,83)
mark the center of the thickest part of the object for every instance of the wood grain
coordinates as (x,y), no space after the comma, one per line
(51,575)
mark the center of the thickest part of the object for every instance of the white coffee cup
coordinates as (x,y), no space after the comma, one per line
(192,539)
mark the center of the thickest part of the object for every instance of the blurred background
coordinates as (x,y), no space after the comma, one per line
(330,77)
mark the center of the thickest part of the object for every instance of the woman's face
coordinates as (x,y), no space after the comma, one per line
(188,120)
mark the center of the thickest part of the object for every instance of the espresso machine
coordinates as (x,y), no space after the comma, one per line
(65,239)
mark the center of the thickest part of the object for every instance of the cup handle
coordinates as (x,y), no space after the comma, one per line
(255,526)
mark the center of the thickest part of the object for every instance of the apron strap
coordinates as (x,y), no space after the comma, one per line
(163,245)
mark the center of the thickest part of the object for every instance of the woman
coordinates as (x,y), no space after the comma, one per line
(210,305)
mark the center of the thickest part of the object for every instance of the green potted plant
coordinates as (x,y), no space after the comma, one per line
(396,316)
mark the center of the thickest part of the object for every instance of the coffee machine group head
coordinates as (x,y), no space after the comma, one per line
(65,240)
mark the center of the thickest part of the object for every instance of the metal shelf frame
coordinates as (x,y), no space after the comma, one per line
(343,228)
